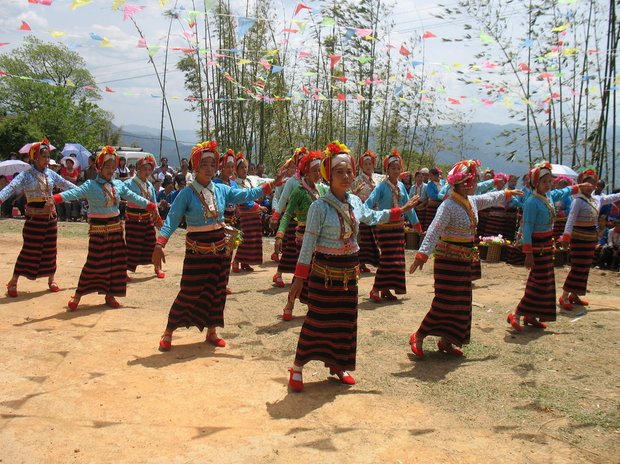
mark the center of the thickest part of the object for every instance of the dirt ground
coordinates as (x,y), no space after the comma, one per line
(90,386)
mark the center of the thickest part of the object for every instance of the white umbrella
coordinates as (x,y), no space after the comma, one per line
(10,167)
(80,152)
(561,170)
(26,148)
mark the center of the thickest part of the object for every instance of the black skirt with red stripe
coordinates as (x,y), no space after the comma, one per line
(496,218)
(451,310)
(581,257)
(539,298)
(558,227)
(329,331)
(290,251)
(429,213)
(516,257)
(368,243)
(251,249)
(140,238)
(105,270)
(390,274)
(37,257)
(202,298)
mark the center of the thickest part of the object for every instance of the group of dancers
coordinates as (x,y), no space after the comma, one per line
(328,233)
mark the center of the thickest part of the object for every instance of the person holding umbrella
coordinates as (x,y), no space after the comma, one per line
(38,255)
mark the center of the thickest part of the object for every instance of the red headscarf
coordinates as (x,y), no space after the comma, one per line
(370,154)
(389,159)
(464,172)
(204,147)
(238,160)
(106,153)
(147,160)
(335,153)
(306,161)
(35,149)
(538,172)
(588,172)
(226,158)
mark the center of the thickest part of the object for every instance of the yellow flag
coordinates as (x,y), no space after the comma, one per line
(57,33)
(163,2)
(68,83)
(560,28)
(79,3)
(116,4)
(571,51)
(105,42)
(244,62)
(456,65)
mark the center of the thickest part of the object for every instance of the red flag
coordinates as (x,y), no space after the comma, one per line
(404,51)
(306,91)
(341,97)
(342,79)
(524,67)
(454,101)
(429,35)
(335,59)
(293,31)
(409,76)
(108,89)
(300,7)
(24,27)
(191,25)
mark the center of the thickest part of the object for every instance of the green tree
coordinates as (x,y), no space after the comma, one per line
(45,90)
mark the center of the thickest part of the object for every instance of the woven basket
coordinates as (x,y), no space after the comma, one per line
(495,253)
(483,250)
(412,240)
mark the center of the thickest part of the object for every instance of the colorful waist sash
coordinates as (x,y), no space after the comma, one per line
(138,215)
(203,248)
(105,229)
(36,212)
(447,250)
(585,234)
(340,274)
(391,225)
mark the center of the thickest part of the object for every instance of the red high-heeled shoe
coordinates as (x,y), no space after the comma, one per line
(296,380)
(564,304)
(388,295)
(344,376)
(165,342)
(287,314)
(364,268)
(111,301)
(246,267)
(533,322)
(275,257)
(375,295)
(416,346)
(277,279)
(215,340)
(11,290)
(73,303)
(53,286)
(160,274)
(450,349)
(577,300)
(514,322)
(235,267)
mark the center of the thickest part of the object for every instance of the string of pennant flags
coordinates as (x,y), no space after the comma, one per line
(347,87)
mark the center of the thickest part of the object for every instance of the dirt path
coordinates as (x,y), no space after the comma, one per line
(90,386)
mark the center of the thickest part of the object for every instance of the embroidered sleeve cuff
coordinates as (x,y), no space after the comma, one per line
(575,189)
(566,238)
(280,235)
(162,240)
(527,248)
(418,227)
(395,214)
(276,216)
(151,206)
(57,198)
(508,195)
(302,270)
(421,256)
(267,189)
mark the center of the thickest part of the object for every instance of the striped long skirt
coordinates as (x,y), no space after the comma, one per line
(429,213)
(483,222)
(202,297)
(582,246)
(299,236)
(251,249)
(496,218)
(105,271)
(290,251)
(558,227)
(510,224)
(450,313)
(369,248)
(539,298)
(516,257)
(329,331)
(390,274)
(37,257)
(139,237)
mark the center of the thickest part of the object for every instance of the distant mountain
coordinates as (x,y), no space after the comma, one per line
(148,139)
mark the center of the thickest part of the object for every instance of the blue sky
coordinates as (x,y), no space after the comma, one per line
(125,69)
